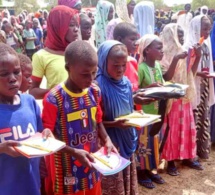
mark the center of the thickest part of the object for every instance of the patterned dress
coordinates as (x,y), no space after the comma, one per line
(148,146)
(202,113)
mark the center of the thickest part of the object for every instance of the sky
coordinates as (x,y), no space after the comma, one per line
(176,2)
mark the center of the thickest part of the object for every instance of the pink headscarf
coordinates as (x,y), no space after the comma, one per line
(69,3)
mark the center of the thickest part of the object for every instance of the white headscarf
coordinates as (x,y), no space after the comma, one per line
(144,17)
(202,8)
(193,38)
(172,47)
(145,41)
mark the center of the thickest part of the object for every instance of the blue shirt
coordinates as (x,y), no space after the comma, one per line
(19,175)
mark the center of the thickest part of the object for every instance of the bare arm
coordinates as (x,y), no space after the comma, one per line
(170,72)
(197,49)
(36,91)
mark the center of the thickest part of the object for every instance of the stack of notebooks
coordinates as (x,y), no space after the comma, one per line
(109,165)
(36,146)
(139,120)
(167,91)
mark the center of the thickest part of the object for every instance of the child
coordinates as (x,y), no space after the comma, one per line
(200,26)
(26,68)
(117,101)
(180,135)
(72,112)
(39,34)
(30,37)
(86,29)
(127,34)
(20,119)
(104,13)
(149,75)
(11,38)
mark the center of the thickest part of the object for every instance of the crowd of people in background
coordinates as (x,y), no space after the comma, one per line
(96,66)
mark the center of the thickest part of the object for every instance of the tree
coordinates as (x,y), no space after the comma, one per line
(199,3)
(29,5)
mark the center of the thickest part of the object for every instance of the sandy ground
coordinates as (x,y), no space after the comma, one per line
(189,182)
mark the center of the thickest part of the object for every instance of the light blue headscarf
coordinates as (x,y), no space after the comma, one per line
(144,17)
(101,20)
(117,101)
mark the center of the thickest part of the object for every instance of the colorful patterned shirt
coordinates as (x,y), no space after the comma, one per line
(73,119)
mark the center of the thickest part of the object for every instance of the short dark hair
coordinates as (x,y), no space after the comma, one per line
(5,50)
(78,52)
(24,60)
(123,29)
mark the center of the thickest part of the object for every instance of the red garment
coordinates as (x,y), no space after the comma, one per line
(57,26)
(131,72)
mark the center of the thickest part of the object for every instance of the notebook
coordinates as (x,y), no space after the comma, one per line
(109,165)
(139,120)
(36,146)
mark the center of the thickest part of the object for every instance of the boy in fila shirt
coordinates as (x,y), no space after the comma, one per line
(19,119)
(72,112)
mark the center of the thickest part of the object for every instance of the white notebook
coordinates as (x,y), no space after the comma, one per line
(36,146)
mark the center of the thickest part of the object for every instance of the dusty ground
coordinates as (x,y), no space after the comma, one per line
(189,182)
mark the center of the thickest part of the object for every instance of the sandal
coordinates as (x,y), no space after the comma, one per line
(147,183)
(172,171)
(193,164)
(156,178)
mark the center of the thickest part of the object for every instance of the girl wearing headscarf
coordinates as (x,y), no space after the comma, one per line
(104,13)
(74,4)
(62,28)
(117,101)
(149,75)
(200,26)
(124,10)
(144,17)
(181,136)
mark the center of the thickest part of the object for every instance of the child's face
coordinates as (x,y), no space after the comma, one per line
(130,42)
(86,26)
(155,50)
(180,35)
(72,33)
(10,76)
(26,78)
(110,14)
(116,63)
(35,24)
(205,27)
(83,74)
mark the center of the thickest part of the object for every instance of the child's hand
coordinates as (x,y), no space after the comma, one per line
(204,74)
(155,85)
(7,148)
(121,123)
(83,157)
(109,147)
(47,133)
(139,98)
(181,55)
(198,49)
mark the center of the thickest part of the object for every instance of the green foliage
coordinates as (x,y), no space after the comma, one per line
(198,3)
(29,5)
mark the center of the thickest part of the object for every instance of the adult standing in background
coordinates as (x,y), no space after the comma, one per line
(144,17)
(184,17)
(124,10)
(104,13)
(204,10)
(62,29)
